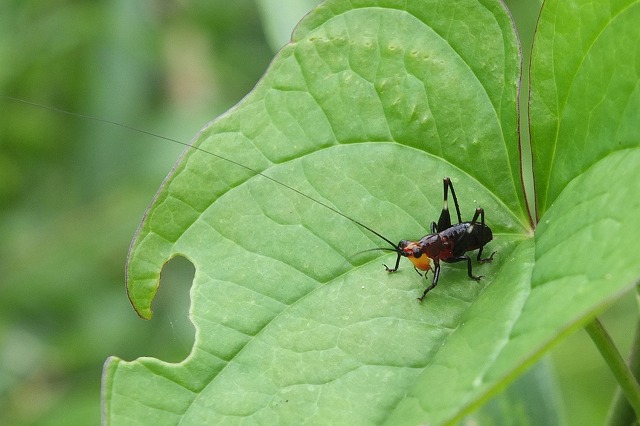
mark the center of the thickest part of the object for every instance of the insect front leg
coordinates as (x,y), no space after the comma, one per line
(395,268)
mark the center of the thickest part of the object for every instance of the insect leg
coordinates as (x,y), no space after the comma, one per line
(395,268)
(486,259)
(444,222)
(418,271)
(469,268)
(480,212)
(436,274)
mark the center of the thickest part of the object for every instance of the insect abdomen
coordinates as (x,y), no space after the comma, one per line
(465,238)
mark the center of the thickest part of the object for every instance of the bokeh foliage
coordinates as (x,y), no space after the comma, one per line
(72,191)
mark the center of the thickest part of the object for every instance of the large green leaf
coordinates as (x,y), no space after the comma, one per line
(584,91)
(367,109)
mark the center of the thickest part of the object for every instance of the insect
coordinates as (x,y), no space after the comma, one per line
(447,242)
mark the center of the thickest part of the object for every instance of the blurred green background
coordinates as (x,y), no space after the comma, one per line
(72,191)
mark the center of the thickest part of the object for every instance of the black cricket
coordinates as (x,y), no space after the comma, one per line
(448,243)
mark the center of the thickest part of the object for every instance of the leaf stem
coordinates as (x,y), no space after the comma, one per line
(623,374)
(620,412)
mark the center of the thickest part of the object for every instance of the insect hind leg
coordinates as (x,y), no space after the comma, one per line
(480,213)
(486,259)
(444,222)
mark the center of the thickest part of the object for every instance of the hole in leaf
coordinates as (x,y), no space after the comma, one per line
(173,332)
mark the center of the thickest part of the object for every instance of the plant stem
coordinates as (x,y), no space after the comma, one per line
(620,412)
(623,374)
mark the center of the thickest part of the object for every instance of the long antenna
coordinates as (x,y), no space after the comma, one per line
(188,145)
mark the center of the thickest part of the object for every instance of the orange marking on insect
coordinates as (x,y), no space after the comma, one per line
(423,262)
